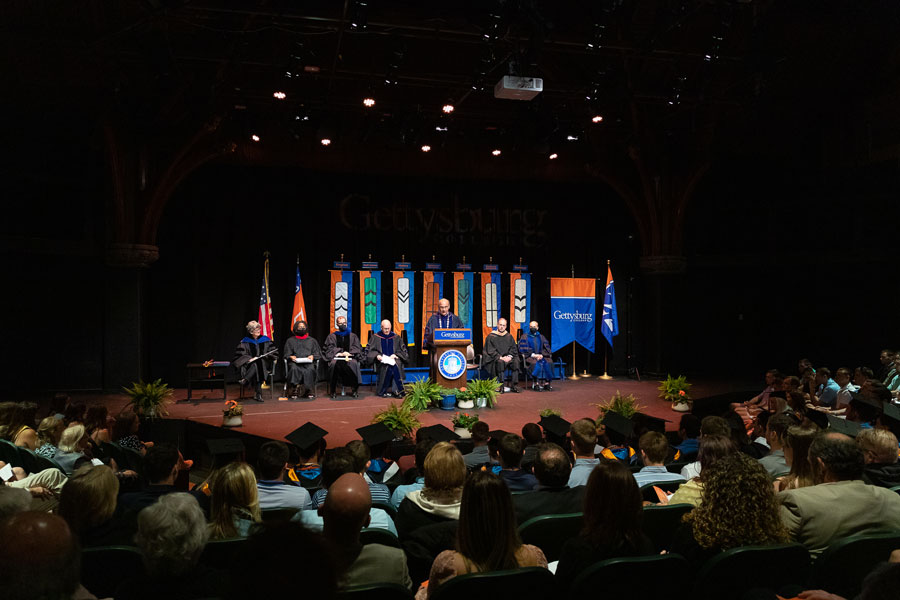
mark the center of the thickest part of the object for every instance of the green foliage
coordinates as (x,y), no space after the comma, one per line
(484,388)
(423,394)
(149,399)
(400,419)
(464,420)
(675,389)
(547,412)
(627,406)
(233,408)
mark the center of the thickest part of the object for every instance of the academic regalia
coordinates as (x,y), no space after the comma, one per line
(537,344)
(436,321)
(345,372)
(301,347)
(388,375)
(257,372)
(495,347)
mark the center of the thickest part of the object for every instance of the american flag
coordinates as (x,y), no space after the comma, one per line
(265,307)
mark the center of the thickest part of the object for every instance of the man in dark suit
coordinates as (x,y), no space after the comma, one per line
(553,496)
(442,319)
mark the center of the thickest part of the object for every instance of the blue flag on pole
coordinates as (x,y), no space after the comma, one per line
(609,323)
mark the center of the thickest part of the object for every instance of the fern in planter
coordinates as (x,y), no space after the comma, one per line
(423,394)
(401,419)
(484,388)
(150,399)
(550,412)
(627,406)
(675,389)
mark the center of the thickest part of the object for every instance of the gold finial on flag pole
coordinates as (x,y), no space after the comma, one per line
(342,257)
(520,261)
(402,258)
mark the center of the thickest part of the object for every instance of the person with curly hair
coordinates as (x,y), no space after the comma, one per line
(738,508)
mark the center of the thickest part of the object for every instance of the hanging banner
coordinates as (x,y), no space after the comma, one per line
(519,303)
(404,303)
(490,303)
(463,284)
(432,292)
(573,310)
(369,302)
(341,298)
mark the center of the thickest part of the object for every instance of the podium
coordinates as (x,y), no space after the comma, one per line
(450,356)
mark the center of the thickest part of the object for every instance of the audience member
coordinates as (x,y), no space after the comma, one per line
(18,425)
(423,447)
(335,465)
(879,448)
(439,499)
(345,512)
(49,432)
(487,538)
(553,494)
(842,377)
(776,430)
(125,432)
(796,449)
(271,487)
(234,501)
(57,406)
(826,390)
(583,434)
(480,455)
(308,471)
(710,425)
(74,413)
(531,433)
(13,501)
(510,449)
(40,558)
(689,432)
(171,535)
(654,449)
(760,402)
(738,432)
(840,504)
(612,523)
(96,423)
(160,469)
(861,375)
(88,504)
(737,508)
(70,454)
(713,448)
(886,370)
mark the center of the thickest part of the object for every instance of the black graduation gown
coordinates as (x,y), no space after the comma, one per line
(527,347)
(335,345)
(257,371)
(301,348)
(434,322)
(496,346)
(374,349)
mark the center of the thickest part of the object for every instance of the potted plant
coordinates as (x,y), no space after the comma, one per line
(462,424)
(401,419)
(465,399)
(484,391)
(626,406)
(675,390)
(149,400)
(550,412)
(233,415)
(423,394)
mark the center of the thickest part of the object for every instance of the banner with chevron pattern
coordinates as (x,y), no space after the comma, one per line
(404,303)
(369,303)
(463,286)
(341,297)
(519,302)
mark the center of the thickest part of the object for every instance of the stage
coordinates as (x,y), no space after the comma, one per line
(341,416)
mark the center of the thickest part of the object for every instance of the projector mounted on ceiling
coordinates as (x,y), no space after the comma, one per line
(518,88)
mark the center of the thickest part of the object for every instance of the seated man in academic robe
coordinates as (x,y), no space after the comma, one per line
(254,356)
(442,319)
(501,356)
(343,353)
(538,360)
(387,352)
(301,376)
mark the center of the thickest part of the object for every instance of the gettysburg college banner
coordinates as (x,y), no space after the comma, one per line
(573,310)
(341,297)
(404,301)
(369,300)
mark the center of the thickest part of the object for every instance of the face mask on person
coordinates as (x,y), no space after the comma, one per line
(532,330)
(342,327)
(301,331)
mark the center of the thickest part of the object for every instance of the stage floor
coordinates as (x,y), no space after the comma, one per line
(343,415)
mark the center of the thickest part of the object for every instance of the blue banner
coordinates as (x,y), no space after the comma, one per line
(573,310)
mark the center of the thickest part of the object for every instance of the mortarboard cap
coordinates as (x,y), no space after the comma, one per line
(305,436)
(869,402)
(891,411)
(649,422)
(778,394)
(617,423)
(497,435)
(376,433)
(817,417)
(844,426)
(555,425)
(438,433)
(225,450)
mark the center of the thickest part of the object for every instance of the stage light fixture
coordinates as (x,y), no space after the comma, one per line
(496,152)
(571,138)
(554,156)
(254,137)
(279,95)
(597,119)
(369,102)
(325,141)
(426,148)
(448,108)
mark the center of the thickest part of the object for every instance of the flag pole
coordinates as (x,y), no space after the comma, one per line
(265,383)
(606,375)
(574,375)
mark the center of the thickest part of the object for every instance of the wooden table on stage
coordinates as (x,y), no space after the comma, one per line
(211,377)
(446,340)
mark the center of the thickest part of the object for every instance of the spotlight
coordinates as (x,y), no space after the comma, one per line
(369,102)
(325,141)
(496,152)
(254,137)
(572,138)
(554,156)
(597,119)
(439,128)
(426,148)
(279,95)
(448,108)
